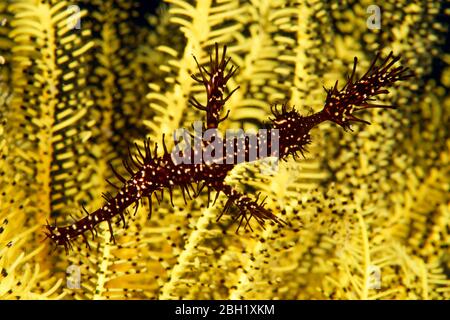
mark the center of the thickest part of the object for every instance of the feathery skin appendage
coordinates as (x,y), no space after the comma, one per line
(133,191)
(293,130)
(215,82)
(150,173)
(247,208)
(341,105)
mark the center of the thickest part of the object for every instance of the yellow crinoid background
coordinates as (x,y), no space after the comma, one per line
(368,212)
